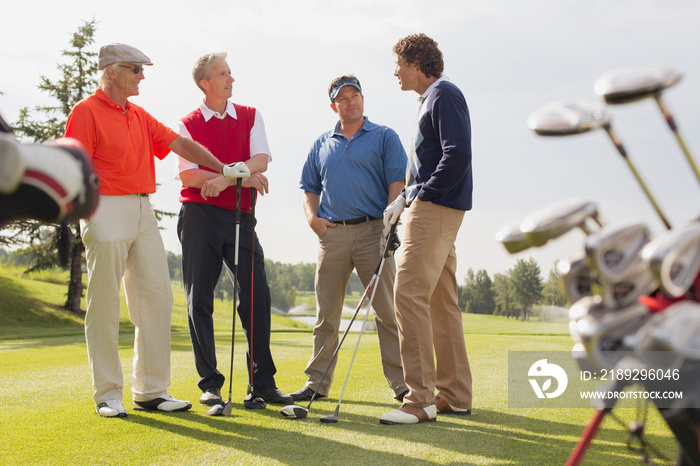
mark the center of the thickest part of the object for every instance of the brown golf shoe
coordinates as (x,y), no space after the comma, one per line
(407,414)
(443,407)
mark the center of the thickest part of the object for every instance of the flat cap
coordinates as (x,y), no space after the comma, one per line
(115,53)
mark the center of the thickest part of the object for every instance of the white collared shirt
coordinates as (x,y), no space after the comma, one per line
(258,137)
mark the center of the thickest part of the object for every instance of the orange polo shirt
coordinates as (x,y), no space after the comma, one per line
(121,143)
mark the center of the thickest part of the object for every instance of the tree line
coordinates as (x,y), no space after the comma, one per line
(512,293)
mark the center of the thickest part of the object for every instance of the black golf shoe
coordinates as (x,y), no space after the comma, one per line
(166,403)
(273,395)
(305,394)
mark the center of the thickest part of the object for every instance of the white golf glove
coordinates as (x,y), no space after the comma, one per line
(236,170)
(393,211)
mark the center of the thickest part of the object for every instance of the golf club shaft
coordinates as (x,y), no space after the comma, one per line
(672,124)
(623,152)
(375,279)
(586,438)
(253,199)
(362,329)
(235,281)
(345,334)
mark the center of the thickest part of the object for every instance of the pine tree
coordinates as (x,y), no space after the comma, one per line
(77,82)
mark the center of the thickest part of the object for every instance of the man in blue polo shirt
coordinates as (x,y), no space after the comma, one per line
(350,176)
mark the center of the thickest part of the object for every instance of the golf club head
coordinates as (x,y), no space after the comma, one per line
(329,419)
(625,85)
(613,249)
(294,412)
(566,117)
(254,402)
(220,409)
(674,259)
(626,290)
(513,239)
(580,355)
(652,350)
(603,331)
(575,278)
(557,219)
(581,308)
(679,329)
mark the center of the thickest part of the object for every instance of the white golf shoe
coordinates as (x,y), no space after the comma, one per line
(111,408)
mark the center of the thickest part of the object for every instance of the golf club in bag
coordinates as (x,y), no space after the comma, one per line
(251,401)
(225,408)
(635,298)
(298,412)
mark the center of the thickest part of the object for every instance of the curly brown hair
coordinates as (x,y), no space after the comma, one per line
(422,51)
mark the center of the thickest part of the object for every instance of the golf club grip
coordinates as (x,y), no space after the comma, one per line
(238,226)
(392,230)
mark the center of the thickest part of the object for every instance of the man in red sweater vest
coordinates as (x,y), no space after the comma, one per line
(206,225)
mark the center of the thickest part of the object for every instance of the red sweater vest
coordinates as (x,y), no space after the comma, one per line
(229,140)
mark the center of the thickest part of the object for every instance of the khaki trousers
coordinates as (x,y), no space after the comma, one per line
(122,241)
(342,249)
(427,310)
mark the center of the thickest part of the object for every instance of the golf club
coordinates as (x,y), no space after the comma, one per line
(548,223)
(674,259)
(225,409)
(251,401)
(626,85)
(567,117)
(553,221)
(603,332)
(298,412)
(512,238)
(613,249)
(575,277)
(331,418)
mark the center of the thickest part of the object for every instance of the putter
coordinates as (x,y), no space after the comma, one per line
(332,418)
(251,401)
(627,85)
(567,117)
(674,259)
(225,409)
(548,223)
(298,412)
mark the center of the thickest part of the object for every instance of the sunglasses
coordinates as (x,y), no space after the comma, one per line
(135,69)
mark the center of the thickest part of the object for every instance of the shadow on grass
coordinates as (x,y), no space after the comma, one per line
(480,435)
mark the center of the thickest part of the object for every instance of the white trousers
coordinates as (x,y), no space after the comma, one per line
(123,243)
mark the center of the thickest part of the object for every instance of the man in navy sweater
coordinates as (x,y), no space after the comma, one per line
(438,192)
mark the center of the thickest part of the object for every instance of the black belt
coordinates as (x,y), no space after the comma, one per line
(144,194)
(355,221)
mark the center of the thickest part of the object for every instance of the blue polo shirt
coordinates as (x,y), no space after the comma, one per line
(352,176)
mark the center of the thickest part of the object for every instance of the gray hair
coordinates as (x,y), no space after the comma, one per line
(202,67)
(104,78)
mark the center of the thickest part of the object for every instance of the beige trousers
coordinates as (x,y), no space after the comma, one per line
(342,249)
(427,309)
(123,243)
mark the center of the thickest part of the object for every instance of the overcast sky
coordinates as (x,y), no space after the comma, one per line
(509,57)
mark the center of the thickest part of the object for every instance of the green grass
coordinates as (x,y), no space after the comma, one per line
(47,414)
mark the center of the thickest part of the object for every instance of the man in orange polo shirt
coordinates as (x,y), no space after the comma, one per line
(122,239)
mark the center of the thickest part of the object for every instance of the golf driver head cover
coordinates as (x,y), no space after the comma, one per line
(85,202)
(58,184)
